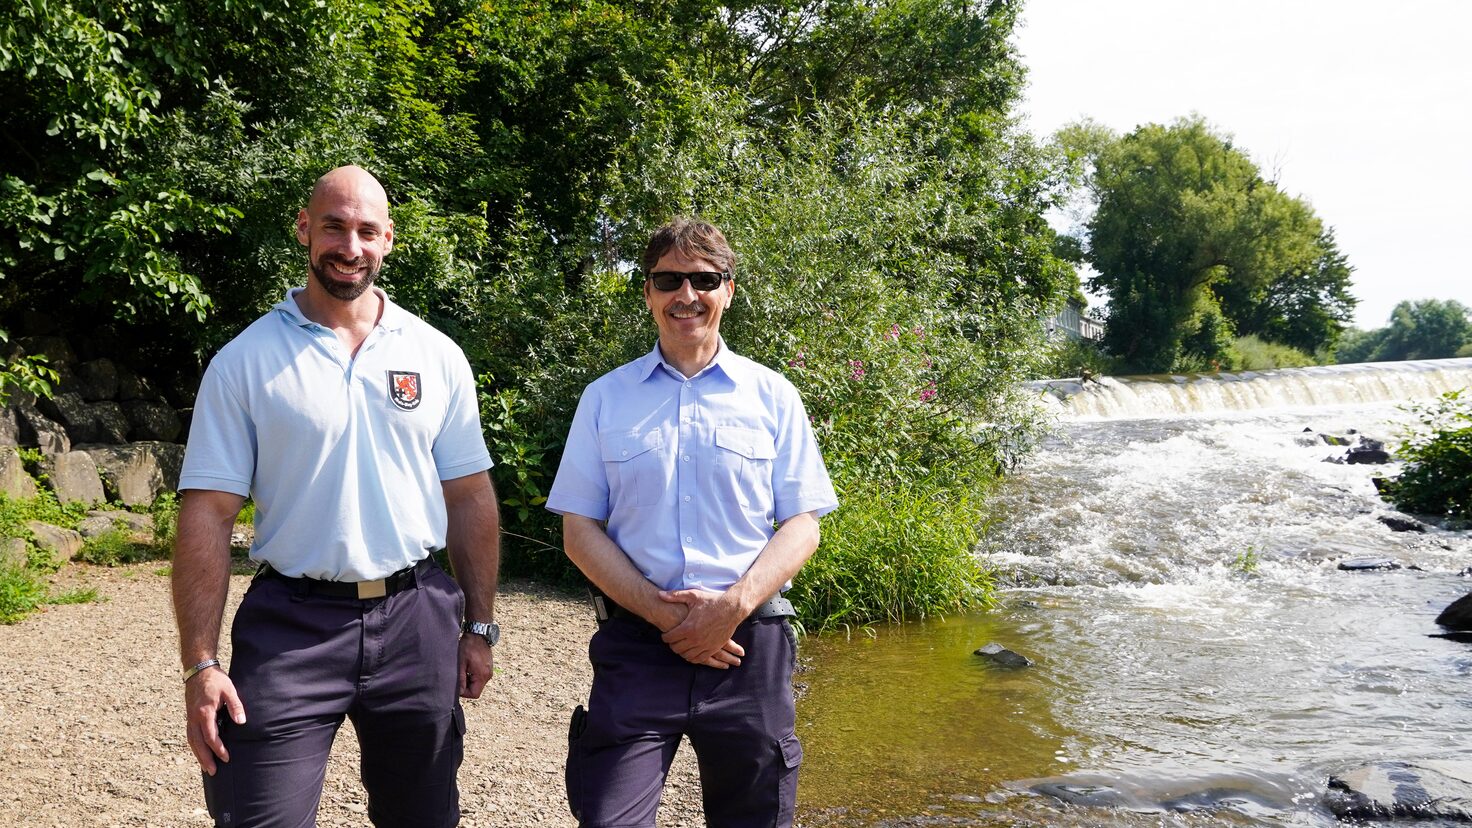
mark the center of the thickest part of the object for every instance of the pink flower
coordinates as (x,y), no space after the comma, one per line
(894,333)
(919,332)
(928,393)
(858,369)
(799,361)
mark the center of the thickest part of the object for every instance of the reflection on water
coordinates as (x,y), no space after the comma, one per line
(1200,659)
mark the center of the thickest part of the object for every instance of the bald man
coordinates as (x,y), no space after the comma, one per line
(355,428)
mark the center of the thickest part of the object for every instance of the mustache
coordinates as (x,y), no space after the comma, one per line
(690,308)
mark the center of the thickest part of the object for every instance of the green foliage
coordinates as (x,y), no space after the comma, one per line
(1247,561)
(21,592)
(1424,329)
(887,211)
(15,512)
(895,552)
(1193,247)
(165,513)
(1068,357)
(1437,479)
(28,374)
(1254,354)
(118,547)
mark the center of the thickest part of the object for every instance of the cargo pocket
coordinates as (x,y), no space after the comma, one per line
(791,750)
(745,463)
(573,775)
(634,463)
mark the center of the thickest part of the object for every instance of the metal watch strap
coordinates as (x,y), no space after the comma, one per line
(489,630)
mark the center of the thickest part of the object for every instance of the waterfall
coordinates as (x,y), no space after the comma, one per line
(1168,395)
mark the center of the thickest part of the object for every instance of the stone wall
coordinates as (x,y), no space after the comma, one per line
(107,431)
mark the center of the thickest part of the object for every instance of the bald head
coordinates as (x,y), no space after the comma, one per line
(347,231)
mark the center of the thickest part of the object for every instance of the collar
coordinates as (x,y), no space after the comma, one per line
(393,317)
(725,362)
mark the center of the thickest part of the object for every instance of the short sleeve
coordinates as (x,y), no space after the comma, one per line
(221,453)
(800,481)
(581,485)
(460,447)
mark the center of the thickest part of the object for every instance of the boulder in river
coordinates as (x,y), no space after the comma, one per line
(1334,440)
(1367,451)
(1402,524)
(1423,790)
(1003,657)
(1367,564)
(1457,615)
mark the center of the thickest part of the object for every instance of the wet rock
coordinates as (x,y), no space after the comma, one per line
(14,481)
(136,473)
(97,380)
(1367,564)
(1458,614)
(150,420)
(14,553)
(74,477)
(1380,483)
(63,543)
(1367,451)
(1402,524)
(1334,440)
(1423,790)
(1003,657)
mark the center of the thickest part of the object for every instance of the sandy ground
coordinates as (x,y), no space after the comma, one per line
(92,720)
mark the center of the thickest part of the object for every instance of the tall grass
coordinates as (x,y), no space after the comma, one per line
(896,552)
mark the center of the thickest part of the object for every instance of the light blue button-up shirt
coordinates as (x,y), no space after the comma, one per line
(691,473)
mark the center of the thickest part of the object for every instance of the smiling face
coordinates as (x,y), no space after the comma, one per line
(689,321)
(347,232)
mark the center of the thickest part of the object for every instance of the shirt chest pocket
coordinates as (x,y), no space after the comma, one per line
(635,464)
(743,459)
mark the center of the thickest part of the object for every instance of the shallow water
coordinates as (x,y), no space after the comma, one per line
(1200,658)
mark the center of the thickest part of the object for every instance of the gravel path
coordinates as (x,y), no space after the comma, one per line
(92,721)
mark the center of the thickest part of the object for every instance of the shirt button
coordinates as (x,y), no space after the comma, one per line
(687,498)
(689,539)
(688,384)
(625,452)
(686,458)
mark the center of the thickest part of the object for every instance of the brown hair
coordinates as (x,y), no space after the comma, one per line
(692,237)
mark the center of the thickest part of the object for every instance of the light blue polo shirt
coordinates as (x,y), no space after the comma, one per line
(343,456)
(691,474)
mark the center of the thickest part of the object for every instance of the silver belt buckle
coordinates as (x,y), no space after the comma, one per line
(372,589)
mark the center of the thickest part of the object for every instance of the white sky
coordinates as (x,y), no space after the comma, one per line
(1363,109)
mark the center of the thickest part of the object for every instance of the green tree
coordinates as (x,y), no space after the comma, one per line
(1187,239)
(1424,329)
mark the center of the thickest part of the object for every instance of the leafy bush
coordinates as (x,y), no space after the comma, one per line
(165,512)
(117,547)
(21,591)
(1068,357)
(1255,354)
(895,552)
(1437,479)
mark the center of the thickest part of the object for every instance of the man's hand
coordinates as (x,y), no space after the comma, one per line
(204,694)
(704,636)
(477,663)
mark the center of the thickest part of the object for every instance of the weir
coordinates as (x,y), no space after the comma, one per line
(1173,395)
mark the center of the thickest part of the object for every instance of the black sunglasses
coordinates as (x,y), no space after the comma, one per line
(701,280)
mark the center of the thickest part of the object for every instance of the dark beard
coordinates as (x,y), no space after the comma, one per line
(346,291)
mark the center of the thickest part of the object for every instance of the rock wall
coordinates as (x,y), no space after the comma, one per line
(106,432)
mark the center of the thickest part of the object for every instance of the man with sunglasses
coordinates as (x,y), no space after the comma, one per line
(354,426)
(677,468)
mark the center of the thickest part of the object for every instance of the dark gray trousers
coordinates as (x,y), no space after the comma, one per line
(644,697)
(301,662)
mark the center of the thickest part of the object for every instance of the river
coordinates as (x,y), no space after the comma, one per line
(1200,656)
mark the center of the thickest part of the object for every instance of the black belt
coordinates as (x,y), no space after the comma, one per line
(605,608)
(406,578)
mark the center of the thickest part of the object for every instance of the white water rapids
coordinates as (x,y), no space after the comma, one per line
(1201,658)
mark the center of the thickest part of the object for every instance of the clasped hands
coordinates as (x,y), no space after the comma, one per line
(698,624)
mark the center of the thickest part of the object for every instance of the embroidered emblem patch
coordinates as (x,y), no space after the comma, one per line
(403,389)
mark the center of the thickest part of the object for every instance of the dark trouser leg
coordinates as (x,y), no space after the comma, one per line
(742,728)
(408,718)
(293,665)
(619,754)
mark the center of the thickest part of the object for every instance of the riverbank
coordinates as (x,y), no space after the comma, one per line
(92,723)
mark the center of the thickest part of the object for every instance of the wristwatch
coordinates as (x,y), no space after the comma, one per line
(489,630)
